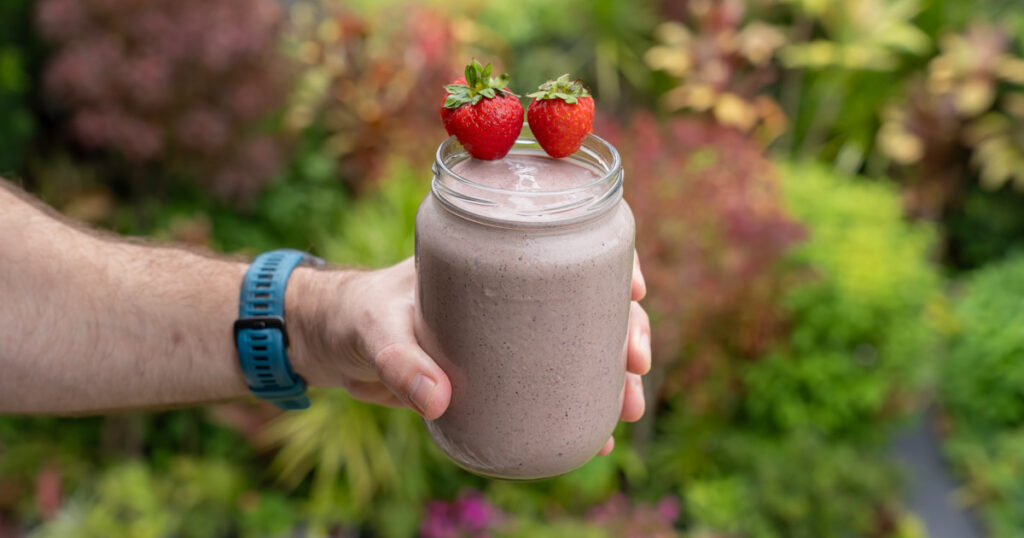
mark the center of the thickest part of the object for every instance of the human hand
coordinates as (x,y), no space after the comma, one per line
(638,355)
(359,334)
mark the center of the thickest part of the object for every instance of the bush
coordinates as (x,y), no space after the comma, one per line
(710,233)
(982,389)
(169,88)
(860,338)
(369,81)
(193,499)
(799,450)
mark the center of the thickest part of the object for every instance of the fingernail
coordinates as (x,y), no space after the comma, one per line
(421,391)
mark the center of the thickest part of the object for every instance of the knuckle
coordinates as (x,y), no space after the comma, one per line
(389,360)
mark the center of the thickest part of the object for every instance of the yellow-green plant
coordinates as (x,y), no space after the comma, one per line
(963,105)
(719,63)
(859,35)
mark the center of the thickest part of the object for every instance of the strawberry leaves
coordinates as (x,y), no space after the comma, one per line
(561,88)
(479,85)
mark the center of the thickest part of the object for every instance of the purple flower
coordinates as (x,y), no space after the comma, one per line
(623,518)
(469,516)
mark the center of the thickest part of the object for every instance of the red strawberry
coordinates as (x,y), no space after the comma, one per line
(482,113)
(560,116)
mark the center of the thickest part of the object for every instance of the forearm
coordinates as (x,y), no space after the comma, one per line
(89,323)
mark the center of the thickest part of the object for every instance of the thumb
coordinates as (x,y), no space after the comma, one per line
(414,377)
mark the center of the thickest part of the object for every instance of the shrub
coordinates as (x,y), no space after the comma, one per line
(791,486)
(983,377)
(982,390)
(720,62)
(369,82)
(710,233)
(798,451)
(193,498)
(169,87)
(860,338)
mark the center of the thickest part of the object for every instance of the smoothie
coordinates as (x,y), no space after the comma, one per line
(524,268)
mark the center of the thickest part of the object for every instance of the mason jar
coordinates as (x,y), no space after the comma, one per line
(523,300)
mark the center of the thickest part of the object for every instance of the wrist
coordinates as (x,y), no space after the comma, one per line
(313,327)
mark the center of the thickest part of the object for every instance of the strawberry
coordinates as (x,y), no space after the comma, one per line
(482,113)
(560,116)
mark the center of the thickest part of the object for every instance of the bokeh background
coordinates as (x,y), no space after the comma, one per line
(828,196)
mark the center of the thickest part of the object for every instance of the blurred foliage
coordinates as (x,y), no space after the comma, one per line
(169,89)
(794,486)
(864,35)
(194,498)
(368,81)
(808,420)
(951,114)
(987,226)
(17,56)
(863,325)
(710,232)
(983,394)
(721,63)
(601,41)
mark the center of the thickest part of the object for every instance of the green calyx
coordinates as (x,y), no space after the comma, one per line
(561,88)
(479,85)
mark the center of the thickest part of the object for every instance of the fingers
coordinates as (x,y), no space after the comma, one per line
(607,448)
(633,404)
(385,339)
(639,289)
(638,354)
(414,378)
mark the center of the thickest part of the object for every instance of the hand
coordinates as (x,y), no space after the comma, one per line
(638,355)
(360,336)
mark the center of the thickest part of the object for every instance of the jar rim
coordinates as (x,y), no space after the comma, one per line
(468,198)
(614,167)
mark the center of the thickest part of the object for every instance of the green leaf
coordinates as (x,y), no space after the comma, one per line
(561,88)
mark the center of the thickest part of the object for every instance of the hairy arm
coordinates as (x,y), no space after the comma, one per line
(89,323)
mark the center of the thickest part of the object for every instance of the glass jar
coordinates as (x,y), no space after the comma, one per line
(523,299)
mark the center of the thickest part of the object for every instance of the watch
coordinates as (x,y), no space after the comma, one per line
(261,336)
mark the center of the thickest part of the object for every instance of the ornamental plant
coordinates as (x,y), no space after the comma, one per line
(711,234)
(982,394)
(864,321)
(959,118)
(720,62)
(364,80)
(169,87)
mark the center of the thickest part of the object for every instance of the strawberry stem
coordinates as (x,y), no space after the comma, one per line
(561,88)
(479,85)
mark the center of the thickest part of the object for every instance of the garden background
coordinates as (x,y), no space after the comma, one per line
(828,196)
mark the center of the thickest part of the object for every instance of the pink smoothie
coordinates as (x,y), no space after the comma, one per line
(526,311)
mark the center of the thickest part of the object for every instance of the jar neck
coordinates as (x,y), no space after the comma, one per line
(491,205)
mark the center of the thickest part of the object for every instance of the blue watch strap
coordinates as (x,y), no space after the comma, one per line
(261,335)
